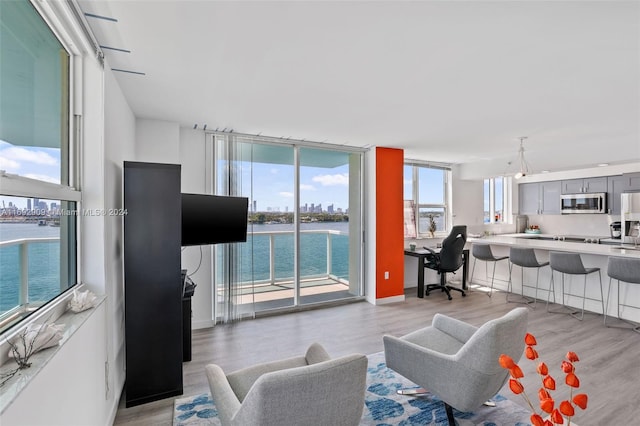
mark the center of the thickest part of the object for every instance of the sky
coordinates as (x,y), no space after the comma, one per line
(28,161)
(272,186)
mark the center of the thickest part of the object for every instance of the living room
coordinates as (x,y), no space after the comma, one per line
(123,120)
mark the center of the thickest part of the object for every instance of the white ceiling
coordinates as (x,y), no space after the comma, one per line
(452,81)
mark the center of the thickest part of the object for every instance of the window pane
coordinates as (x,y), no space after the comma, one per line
(430,186)
(487,195)
(431,219)
(408,182)
(499,199)
(34,104)
(37,254)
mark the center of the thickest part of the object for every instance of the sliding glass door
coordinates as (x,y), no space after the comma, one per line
(304,233)
(329,222)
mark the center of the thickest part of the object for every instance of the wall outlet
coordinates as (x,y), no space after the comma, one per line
(386,275)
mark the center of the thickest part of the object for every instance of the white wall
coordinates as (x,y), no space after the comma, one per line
(70,389)
(157,141)
(120,130)
(370,225)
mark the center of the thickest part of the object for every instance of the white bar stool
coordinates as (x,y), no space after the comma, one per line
(483,252)
(627,270)
(525,258)
(571,264)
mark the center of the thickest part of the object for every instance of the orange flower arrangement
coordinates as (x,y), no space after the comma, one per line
(547,403)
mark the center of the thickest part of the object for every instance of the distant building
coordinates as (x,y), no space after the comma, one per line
(330,209)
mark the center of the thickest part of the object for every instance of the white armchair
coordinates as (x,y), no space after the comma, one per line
(457,361)
(306,390)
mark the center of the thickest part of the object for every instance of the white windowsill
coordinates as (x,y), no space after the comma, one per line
(11,390)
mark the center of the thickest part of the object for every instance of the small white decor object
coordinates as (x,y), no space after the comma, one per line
(82,300)
(33,339)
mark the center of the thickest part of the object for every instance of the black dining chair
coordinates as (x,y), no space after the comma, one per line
(448,259)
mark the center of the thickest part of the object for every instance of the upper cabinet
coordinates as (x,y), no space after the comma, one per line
(618,185)
(540,197)
(589,185)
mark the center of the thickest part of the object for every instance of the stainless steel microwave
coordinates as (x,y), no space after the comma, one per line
(584,203)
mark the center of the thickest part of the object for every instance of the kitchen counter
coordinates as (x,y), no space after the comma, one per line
(530,241)
(593,255)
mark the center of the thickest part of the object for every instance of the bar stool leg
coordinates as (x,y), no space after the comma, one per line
(584,298)
(609,299)
(523,299)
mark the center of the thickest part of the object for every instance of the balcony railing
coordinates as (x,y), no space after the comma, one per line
(23,284)
(328,264)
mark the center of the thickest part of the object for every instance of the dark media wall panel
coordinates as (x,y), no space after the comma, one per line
(153,286)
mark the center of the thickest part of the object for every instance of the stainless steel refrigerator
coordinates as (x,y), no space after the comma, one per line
(630,217)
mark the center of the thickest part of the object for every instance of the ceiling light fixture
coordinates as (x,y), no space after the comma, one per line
(524,166)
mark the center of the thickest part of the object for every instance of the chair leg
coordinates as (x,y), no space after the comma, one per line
(443,283)
(449,410)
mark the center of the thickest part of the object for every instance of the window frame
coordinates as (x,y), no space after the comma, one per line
(14,185)
(506,200)
(415,189)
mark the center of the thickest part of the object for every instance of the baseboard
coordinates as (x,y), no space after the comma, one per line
(392,299)
(197,325)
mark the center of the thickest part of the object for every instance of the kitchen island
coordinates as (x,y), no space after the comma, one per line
(593,255)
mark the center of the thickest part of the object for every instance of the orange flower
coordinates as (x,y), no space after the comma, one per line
(530,340)
(581,400)
(557,414)
(549,383)
(543,369)
(547,405)
(566,408)
(516,372)
(506,361)
(567,367)
(536,420)
(543,394)
(515,386)
(556,417)
(531,353)
(572,380)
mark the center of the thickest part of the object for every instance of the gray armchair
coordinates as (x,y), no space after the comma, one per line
(306,390)
(456,361)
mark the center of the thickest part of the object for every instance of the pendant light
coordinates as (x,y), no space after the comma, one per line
(524,166)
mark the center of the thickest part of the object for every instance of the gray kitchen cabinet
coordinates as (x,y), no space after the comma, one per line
(550,196)
(529,198)
(588,185)
(540,197)
(619,184)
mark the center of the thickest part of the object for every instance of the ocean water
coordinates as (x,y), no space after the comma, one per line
(43,266)
(254,254)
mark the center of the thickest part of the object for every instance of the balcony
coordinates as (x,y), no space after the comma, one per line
(267,269)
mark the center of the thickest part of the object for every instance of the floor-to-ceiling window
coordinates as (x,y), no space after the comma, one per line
(304,242)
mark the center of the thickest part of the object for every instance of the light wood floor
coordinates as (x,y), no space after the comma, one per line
(609,367)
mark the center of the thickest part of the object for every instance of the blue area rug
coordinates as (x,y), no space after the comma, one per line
(383,406)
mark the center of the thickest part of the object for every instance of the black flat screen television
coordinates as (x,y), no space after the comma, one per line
(213,219)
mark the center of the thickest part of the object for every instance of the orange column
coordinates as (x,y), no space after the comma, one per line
(389,223)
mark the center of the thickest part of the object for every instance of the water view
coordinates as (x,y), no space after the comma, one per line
(43,265)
